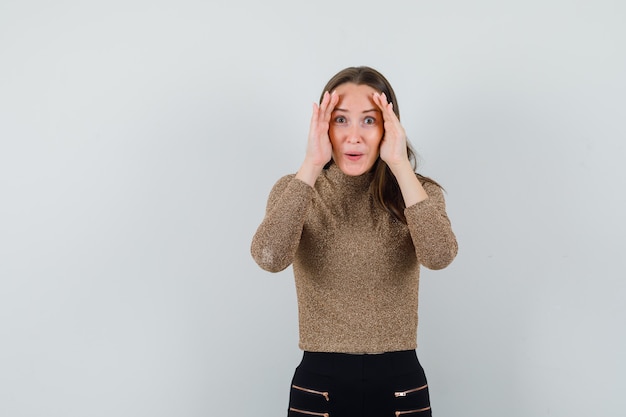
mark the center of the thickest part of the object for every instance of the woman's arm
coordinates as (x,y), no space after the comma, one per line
(434,241)
(276,240)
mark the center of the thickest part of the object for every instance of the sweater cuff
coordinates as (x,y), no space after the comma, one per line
(418,207)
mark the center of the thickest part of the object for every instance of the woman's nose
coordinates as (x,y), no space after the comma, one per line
(354,136)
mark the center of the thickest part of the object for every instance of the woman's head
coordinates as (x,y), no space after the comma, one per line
(367,76)
(366,81)
(355,129)
(384,186)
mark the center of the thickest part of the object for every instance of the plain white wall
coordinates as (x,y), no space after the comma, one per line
(139,141)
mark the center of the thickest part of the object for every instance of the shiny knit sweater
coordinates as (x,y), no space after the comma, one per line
(356,266)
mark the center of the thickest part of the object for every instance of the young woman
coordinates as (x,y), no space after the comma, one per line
(356,222)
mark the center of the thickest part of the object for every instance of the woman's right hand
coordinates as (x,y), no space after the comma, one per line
(319,149)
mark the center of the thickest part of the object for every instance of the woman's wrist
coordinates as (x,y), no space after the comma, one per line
(309,172)
(412,190)
(401,168)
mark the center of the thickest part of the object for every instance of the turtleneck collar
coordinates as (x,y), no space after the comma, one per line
(356,183)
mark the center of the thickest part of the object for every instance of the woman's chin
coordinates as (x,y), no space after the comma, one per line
(353,170)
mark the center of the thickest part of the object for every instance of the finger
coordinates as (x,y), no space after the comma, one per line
(333,99)
(378,101)
(329,98)
(381,103)
(315,114)
(324,101)
(386,107)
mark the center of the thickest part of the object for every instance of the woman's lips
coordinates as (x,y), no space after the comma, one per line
(353,156)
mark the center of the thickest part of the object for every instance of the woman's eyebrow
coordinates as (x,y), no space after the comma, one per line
(364,111)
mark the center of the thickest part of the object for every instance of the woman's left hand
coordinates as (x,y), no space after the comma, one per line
(394,143)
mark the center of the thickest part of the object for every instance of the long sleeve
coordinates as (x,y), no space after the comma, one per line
(430,229)
(276,240)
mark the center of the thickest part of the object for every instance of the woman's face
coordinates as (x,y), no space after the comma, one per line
(356,129)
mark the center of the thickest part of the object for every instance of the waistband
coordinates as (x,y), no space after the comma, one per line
(346,364)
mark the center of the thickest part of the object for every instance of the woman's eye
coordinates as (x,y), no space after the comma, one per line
(369,121)
(340,119)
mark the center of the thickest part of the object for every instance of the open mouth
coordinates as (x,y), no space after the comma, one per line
(353,156)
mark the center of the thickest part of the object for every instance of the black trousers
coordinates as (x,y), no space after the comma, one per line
(389,384)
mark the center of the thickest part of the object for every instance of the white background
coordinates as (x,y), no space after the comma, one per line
(139,141)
